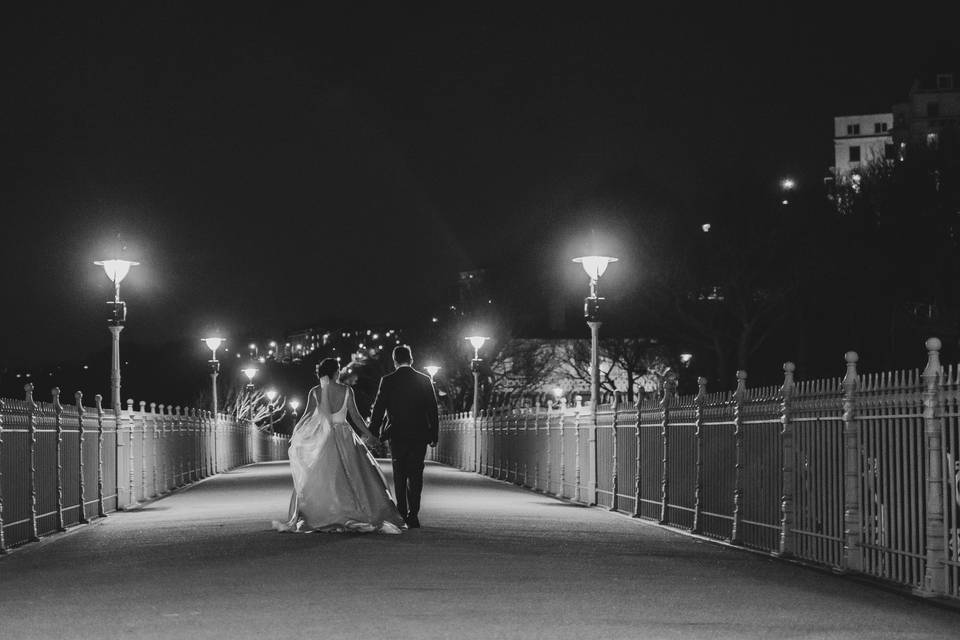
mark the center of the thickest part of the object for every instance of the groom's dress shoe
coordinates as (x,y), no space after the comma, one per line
(413,522)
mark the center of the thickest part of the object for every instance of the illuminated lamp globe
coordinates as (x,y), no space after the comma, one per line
(271,395)
(594,265)
(250,372)
(432,370)
(213,344)
(116,270)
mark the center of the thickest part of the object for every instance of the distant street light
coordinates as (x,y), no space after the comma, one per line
(116,270)
(788,184)
(595,266)
(294,405)
(431,370)
(271,398)
(251,373)
(213,344)
(476,342)
(685,358)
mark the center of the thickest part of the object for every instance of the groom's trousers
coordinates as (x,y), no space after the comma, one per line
(407,457)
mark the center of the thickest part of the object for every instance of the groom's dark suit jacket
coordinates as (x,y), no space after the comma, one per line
(407,399)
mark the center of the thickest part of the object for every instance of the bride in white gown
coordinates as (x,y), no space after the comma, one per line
(337,483)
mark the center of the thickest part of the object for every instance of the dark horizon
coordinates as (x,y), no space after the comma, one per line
(265,168)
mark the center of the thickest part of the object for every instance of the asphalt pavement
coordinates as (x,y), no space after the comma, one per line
(491,561)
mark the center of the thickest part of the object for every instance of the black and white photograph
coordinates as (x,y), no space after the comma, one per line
(479,321)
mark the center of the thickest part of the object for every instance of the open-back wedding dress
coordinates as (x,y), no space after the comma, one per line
(337,483)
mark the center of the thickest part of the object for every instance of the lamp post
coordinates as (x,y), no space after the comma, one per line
(116,270)
(294,405)
(271,397)
(476,342)
(251,373)
(213,344)
(594,266)
(431,370)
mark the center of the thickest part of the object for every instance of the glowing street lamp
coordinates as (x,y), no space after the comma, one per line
(213,344)
(788,184)
(116,270)
(251,373)
(595,267)
(685,358)
(431,370)
(294,405)
(476,342)
(271,398)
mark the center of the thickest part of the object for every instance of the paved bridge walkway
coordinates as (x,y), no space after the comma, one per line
(492,561)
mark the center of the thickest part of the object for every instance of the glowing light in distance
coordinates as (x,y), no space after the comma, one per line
(477,341)
(705,227)
(271,395)
(557,393)
(431,369)
(294,404)
(250,372)
(787,184)
(213,344)
(686,357)
(594,265)
(116,270)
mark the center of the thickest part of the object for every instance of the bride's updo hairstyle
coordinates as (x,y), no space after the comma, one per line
(330,368)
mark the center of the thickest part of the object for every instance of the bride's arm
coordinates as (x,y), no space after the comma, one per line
(355,416)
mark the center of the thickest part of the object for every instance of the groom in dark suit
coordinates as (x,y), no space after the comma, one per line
(407,398)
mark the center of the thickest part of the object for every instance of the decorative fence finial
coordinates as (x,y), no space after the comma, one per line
(98,402)
(851,376)
(28,392)
(788,384)
(741,382)
(55,400)
(701,388)
(933,346)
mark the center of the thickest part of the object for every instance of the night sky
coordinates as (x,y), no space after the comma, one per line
(273,168)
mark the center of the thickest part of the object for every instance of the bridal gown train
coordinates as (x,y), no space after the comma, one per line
(337,483)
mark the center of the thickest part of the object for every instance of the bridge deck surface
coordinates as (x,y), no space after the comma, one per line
(492,561)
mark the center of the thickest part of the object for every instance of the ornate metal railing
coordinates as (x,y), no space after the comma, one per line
(860,473)
(62,465)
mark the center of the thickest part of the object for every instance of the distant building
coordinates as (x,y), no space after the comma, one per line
(930,117)
(860,140)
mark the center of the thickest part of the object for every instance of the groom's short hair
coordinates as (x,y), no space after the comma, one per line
(402,354)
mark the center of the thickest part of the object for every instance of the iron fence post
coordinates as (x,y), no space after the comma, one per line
(739,396)
(788,456)
(669,392)
(78,398)
(613,473)
(698,464)
(3,543)
(58,449)
(638,482)
(934,579)
(98,402)
(32,434)
(576,456)
(852,527)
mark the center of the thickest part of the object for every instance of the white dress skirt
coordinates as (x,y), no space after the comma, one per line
(337,483)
